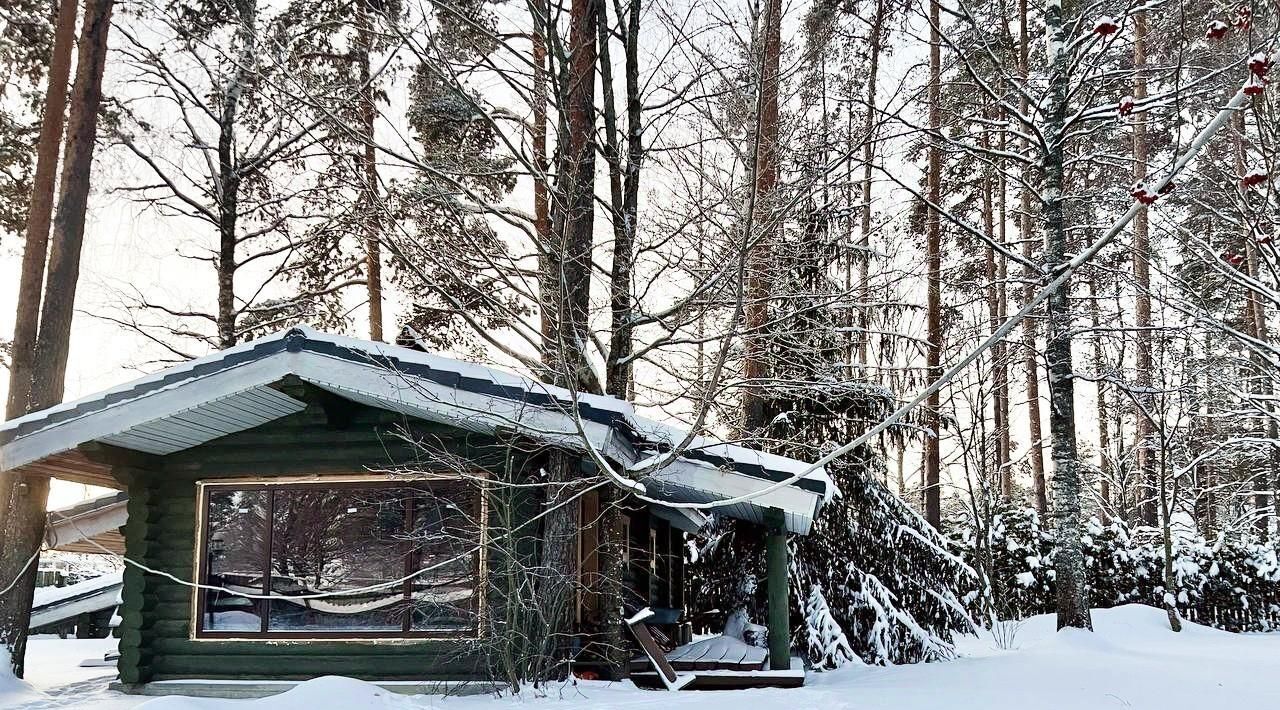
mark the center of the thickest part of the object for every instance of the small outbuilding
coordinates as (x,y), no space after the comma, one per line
(308,504)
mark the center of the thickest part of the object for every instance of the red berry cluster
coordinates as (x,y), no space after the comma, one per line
(1257,176)
(1259,65)
(1142,194)
(1217,30)
(1244,17)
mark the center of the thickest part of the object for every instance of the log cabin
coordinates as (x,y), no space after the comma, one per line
(309,504)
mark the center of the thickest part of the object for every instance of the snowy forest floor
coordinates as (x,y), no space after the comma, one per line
(1132,661)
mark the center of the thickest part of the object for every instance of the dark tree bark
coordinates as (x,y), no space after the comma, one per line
(541,169)
(567,277)
(876,40)
(40,214)
(760,237)
(1028,290)
(624,186)
(1142,278)
(624,193)
(999,353)
(26,498)
(369,165)
(230,177)
(1073,600)
(933,265)
(73,198)
(1105,469)
(999,385)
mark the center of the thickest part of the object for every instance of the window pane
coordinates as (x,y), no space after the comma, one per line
(328,540)
(235,559)
(445,535)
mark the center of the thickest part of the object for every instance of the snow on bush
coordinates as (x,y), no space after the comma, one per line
(1229,584)
(828,646)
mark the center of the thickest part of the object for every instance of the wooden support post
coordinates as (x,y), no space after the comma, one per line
(779,606)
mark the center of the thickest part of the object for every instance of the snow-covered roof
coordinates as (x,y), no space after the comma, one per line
(232,390)
(53,604)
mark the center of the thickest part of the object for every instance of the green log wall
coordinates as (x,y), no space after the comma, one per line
(155,630)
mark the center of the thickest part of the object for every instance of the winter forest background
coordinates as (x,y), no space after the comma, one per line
(1009,266)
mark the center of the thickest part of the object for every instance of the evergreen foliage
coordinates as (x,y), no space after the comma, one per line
(872,577)
(1230,583)
(828,646)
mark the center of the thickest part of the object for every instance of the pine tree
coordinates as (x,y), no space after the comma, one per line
(24,499)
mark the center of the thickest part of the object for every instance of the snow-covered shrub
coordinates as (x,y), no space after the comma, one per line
(1231,584)
(889,578)
(828,646)
(889,584)
(1015,556)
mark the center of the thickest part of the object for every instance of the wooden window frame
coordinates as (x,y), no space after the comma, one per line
(203,490)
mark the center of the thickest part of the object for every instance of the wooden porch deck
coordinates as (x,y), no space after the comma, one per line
(719,663)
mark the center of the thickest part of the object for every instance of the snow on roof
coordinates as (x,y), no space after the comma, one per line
(46,596)
(145,383)
(666,435)
(457,390)
(89,505)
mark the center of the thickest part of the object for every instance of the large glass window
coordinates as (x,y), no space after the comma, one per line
(340,559)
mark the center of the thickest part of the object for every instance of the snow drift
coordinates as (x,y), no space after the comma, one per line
(1132,660)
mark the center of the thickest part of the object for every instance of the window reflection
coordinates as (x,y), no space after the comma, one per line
(442,595)
(339,540)
(344,555)
(235,547)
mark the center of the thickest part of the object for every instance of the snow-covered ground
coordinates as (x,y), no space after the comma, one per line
(1132,661)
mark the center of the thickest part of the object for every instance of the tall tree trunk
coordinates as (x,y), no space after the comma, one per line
(369,166)
(875,40)
(933,261)
(760,238)
(541,168)
(1105,470)
(229,176)
(1073,601)
(1256,326)
(1148,510)
(39,214)
(1000,425)
(26,499)
(1256,318)
(1036,445)
(73,198)
(999,353)
(569,277)
(625,192)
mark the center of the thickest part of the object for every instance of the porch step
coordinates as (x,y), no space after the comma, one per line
(732,680)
